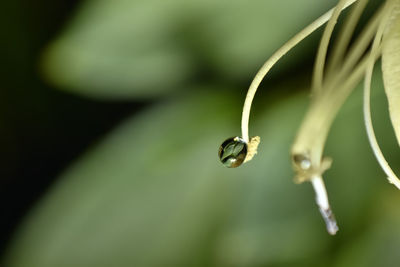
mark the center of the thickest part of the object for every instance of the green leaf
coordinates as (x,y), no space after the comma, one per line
(378,243)
(145,48)
(391,69)
(154,192)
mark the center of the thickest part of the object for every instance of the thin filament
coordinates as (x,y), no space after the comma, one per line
(344,37)
(272,61)
(323,48)
(322,112)
(359,47)
(367,111)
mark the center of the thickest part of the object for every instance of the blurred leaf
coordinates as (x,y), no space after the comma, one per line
(391,71)
(379,244)
(154,193)
(145,48)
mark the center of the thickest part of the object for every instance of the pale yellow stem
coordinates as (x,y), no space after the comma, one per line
(344,37)
(272,61)
(358,49)
(367,107)
(323,49)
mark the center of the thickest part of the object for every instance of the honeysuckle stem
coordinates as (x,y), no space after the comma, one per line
(357,50)
(315,127)
(273,59)
(313,132)
(323,49)
(344,36)
(367,108)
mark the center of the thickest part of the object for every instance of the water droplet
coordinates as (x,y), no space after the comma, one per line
(302,161)
(232,152)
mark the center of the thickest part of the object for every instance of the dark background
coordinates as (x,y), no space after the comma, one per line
(44,131)
(41,129)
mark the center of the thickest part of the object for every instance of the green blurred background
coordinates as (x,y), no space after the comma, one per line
(111,114)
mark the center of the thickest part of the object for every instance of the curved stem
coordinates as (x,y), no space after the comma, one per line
(273,59)
(323,49)
(314,130)
(343,40)
(367,110)
(359,47)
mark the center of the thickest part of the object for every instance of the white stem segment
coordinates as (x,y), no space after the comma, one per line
(321,197)
(272,61)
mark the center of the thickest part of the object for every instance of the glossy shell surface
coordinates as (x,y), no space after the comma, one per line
(232,152)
